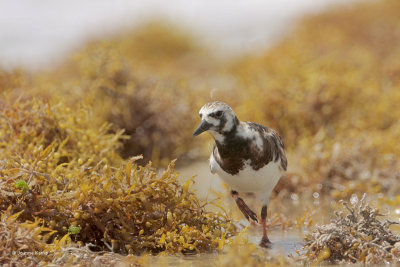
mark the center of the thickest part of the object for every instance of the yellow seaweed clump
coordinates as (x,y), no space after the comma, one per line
(331,88)
(15,80)
(27,243)
(60,168)
(140,82)
(344,167)
(337,72)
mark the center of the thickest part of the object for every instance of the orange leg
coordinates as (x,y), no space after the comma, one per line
(247,212)
(265,242)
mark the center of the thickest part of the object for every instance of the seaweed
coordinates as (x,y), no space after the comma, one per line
(354,236)
(331,89)
(69,141)
(128,84)
(60,169)
(22,243)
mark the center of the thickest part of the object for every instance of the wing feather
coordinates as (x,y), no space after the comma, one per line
(273,146)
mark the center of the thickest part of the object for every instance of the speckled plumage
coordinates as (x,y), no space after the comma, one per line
(248,156)
(258,146)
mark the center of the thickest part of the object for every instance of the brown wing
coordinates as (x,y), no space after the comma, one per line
(232,154)
(274,148)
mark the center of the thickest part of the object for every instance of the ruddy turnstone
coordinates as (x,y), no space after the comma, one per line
(248,156)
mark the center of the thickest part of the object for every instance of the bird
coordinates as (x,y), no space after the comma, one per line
(247,156)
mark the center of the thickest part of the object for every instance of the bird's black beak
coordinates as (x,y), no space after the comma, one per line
(204,126)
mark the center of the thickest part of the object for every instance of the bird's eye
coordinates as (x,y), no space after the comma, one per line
(200,115)
(218,114)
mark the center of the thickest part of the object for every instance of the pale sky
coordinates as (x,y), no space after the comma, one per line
(36,33)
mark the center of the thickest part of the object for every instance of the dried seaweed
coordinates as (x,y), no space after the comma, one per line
(84,256)
(17,242)
(354,236)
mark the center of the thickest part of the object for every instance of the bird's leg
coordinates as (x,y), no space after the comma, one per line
(265,242)
(247,212)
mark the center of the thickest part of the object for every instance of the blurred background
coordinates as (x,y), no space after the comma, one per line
(38,34)
(325,74)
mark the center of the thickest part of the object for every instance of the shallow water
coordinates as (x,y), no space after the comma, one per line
(284,243)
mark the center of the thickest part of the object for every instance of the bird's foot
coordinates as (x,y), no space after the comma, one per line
(265,242)
(247,212)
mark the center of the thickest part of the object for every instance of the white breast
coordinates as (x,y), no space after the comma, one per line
(261,182)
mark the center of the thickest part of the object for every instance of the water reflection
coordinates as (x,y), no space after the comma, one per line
(284,243)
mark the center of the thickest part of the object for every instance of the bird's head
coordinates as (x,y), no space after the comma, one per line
(217,118)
